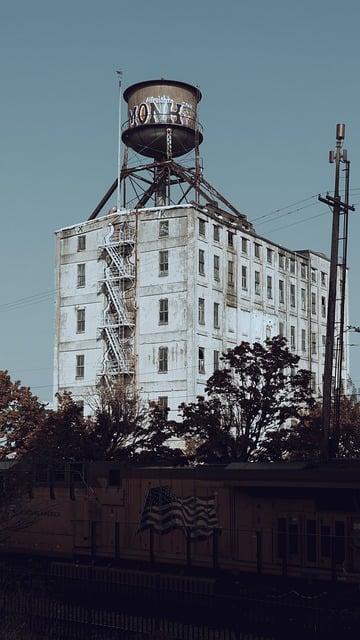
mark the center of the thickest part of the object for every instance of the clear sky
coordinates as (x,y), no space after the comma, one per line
(276,77)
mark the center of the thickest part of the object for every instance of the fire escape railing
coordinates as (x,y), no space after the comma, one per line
(119,312)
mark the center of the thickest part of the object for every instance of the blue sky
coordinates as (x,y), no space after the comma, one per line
(276,77)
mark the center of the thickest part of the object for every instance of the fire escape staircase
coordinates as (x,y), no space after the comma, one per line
(118,326)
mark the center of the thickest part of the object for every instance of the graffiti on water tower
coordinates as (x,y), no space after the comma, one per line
(161,110)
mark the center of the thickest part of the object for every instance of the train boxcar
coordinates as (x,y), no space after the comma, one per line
(295,519)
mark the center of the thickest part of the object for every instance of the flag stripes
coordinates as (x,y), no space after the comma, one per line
(163,511)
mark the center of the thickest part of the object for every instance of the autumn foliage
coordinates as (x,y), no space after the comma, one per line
(257,407)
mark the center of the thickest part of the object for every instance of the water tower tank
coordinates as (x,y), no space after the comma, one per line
(156,108)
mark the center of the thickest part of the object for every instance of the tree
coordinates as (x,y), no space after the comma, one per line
(123,427)
(258,388)
(300,441)
(304,440)
(116,421)
(14,489)
(349,432)
(21,415)
(156,439)
(63,435)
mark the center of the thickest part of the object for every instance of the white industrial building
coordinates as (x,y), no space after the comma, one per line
(157,292)
(160,293)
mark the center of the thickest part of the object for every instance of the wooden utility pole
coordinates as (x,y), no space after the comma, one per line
(338,156)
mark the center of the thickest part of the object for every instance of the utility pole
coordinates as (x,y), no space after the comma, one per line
(338,156)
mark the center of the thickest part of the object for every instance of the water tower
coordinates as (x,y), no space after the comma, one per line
(162,122)
(161,126)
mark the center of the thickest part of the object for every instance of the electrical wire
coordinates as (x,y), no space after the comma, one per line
(29,300)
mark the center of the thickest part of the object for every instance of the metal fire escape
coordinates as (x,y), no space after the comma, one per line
(119,313)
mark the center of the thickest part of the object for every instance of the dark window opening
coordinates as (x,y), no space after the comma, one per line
(311,540)
(114,478)
(325,541)
(339,542)
(281,538)
(293,538)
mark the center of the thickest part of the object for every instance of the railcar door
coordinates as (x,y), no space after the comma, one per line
(331,542)
(289,540)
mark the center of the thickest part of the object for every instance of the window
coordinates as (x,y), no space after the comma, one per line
(313,344)
(201,311)
(303,340)
(281,329)
(201,262)
(216,229)
(114,478)
(257,282)
(269,256)
(163,262)
(163,311)
(292,295)
(217,268)
(313,303)
(339,541)
(201,360)
(313,381)
(292,338)
(269,287)
(323,306)
(201,227)
(80,406)
(81,275)
(303,271)
(216,360)
(282,261)
(293,537)
(292,266)
(281,291)
(80,320)
(256,250)
(80,366)
(244,245)
(230,239)
(281,537)
(163,228)
(311,540)
(163,404)
(81,245)
(163,359)
(313,275)
(325,540)
(216,315)
(323,279)
(303,299)
(230,273)
(244,284)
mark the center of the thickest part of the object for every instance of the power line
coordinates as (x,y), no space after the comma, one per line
(289,206)
(293,224)
(29,300)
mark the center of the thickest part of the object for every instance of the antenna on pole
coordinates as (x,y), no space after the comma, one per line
(119,75)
